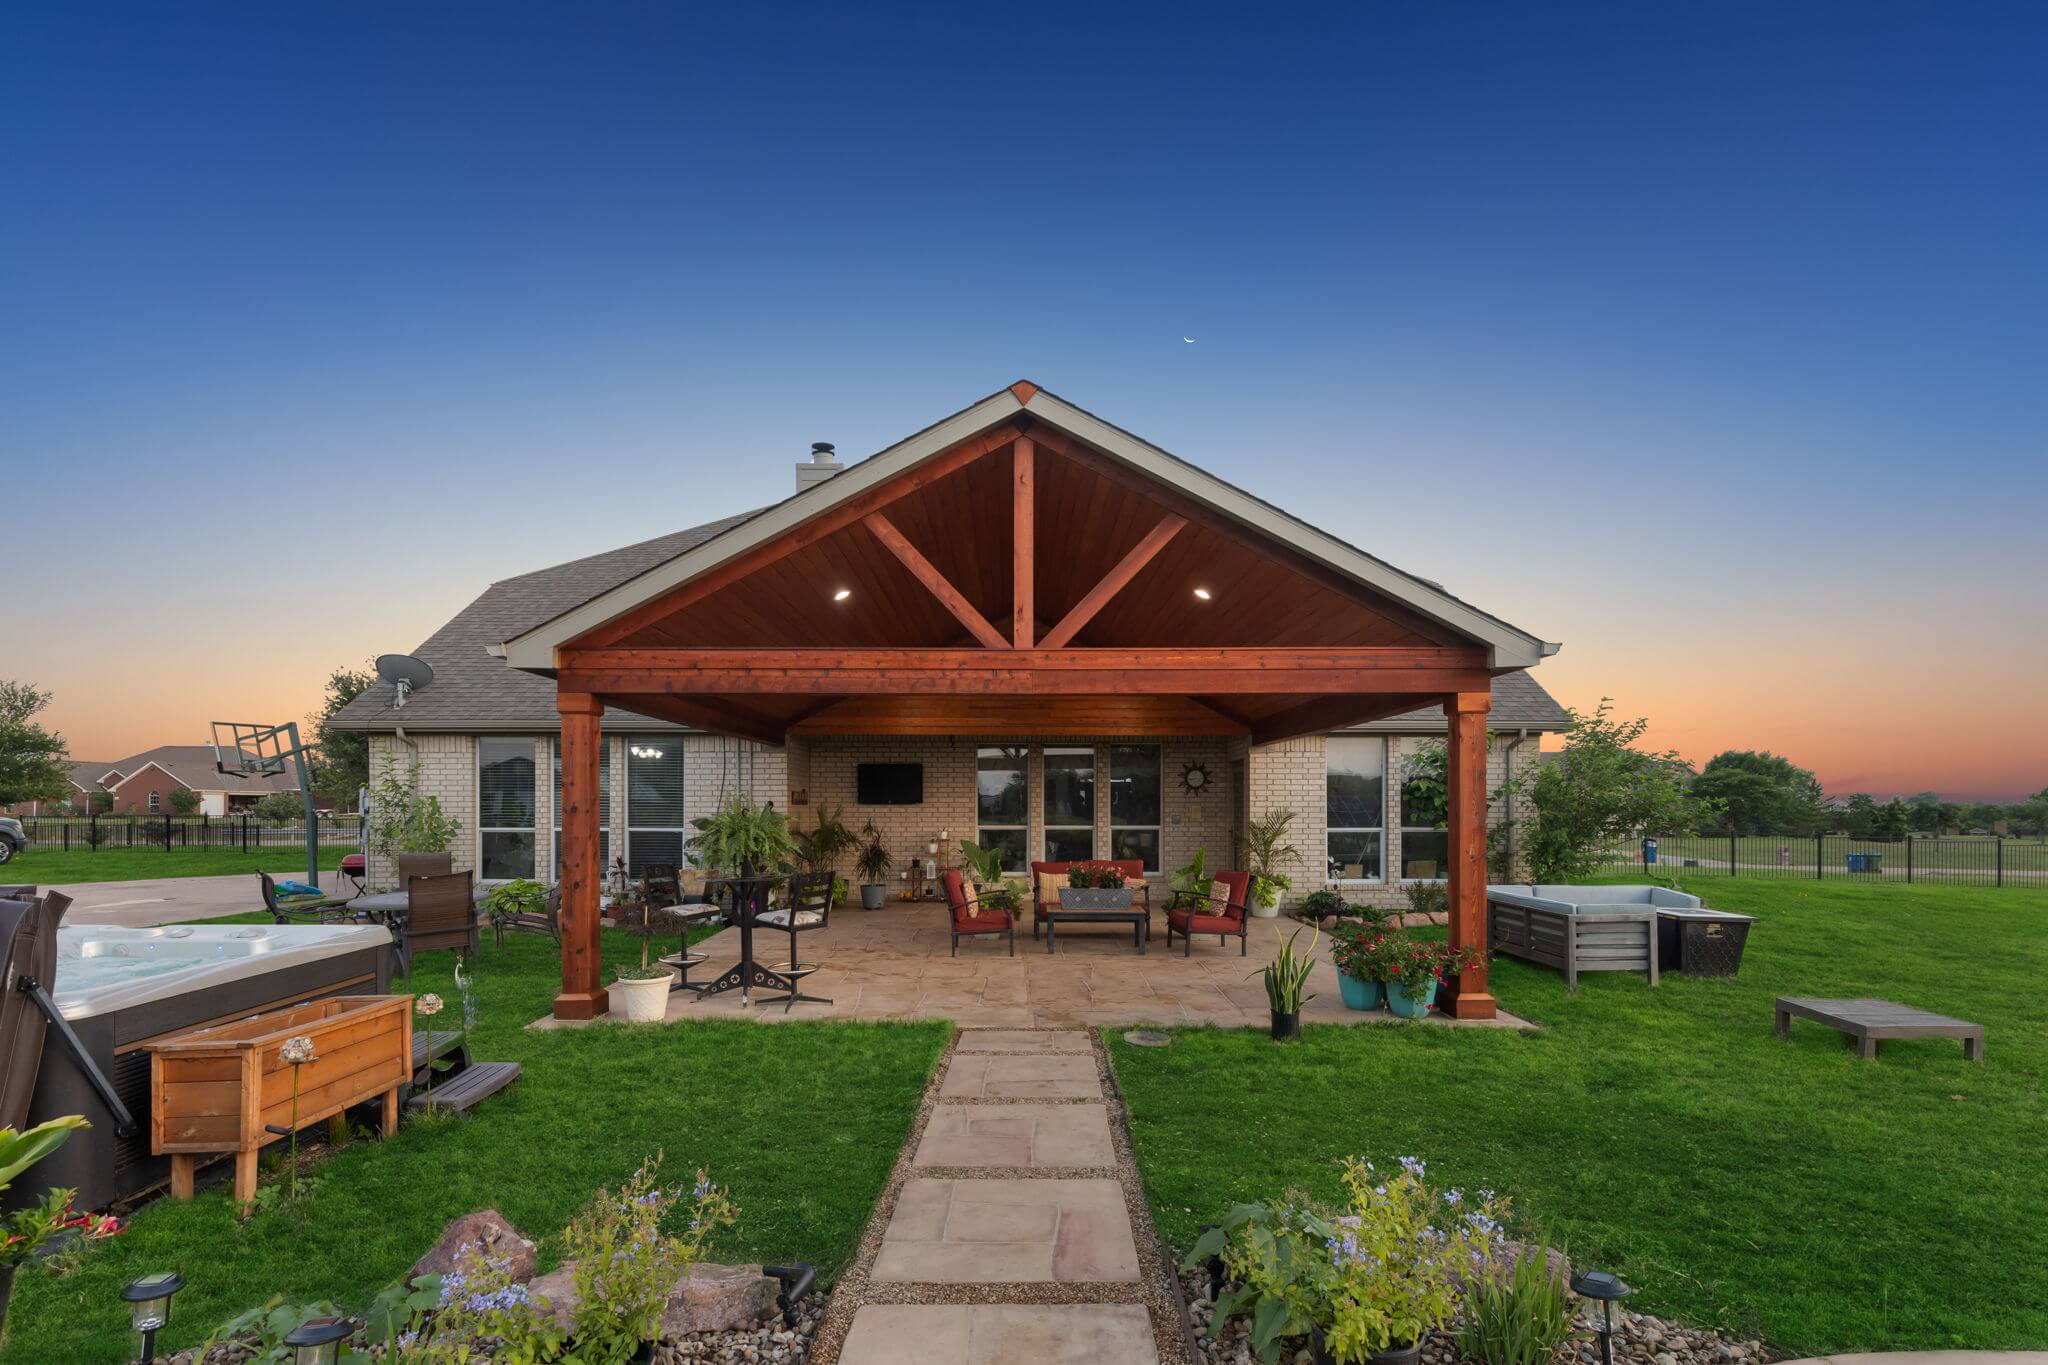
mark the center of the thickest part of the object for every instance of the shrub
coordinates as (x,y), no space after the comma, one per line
(1428,898)
(1361,952)
(625,1263)
(1517,1315)
(1320,903)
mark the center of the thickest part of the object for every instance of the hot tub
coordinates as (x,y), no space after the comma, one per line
(120,987)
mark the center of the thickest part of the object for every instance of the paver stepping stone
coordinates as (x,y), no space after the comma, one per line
(1023,1040)
(1016,1135)
(1000,1334)
(992,1076)
(1007,1232)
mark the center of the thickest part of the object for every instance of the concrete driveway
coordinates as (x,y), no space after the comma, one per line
(168,900)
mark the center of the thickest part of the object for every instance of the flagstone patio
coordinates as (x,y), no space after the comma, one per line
(896,963)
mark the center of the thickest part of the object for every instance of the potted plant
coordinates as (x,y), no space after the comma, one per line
(1265,851)
(1415,969)
(1095,886)
(820,849)
(742,839)
(641,993)
(872,866)
(1359,953)
(985,866)
(1285,975)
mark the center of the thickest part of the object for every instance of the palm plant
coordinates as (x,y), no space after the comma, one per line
(874,861)
(1264,848)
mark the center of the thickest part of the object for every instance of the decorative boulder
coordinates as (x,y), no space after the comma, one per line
(719,1298)
(488,1228)
(558,1287)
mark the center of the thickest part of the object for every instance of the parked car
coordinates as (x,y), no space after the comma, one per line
(13,838)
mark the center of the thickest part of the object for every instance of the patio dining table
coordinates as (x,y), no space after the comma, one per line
(749,899)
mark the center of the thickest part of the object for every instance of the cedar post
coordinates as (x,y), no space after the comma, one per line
(581,997)
(1466,770)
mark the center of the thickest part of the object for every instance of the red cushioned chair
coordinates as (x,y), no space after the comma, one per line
(972,921)
(1190,913)
(1131,867)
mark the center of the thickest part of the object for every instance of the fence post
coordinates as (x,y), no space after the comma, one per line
(1731,852)
(67,836)
(1909,860)
(2001,860)
(1820,858)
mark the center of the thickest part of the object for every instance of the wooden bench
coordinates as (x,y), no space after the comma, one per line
(1866,1023)
(466,1089)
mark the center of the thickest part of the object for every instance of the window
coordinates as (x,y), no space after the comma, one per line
(1425,843)
(604,808)
(1355,811)
(1134,803)
(504,803)
(1069,805)
(154,802)
(654,803)
(1002,788)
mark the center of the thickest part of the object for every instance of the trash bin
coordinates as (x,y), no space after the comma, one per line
(1866,862)
(1649,853)
(1701,942)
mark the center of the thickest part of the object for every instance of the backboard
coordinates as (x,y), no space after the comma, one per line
(241,749)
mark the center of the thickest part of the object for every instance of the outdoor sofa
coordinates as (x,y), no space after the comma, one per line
(1645,929)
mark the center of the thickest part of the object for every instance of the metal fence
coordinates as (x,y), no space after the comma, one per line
(169,832)
(1976,860)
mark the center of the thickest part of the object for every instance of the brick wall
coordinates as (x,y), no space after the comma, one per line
(448,771)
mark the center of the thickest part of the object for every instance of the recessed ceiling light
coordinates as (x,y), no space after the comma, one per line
(1202,593)
(842,594)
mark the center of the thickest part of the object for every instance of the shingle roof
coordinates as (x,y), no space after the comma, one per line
(475,692)
(86,773)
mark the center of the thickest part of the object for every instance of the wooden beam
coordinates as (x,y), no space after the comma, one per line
(581,997)
(1203,515)
(859,672)
(1466,773)
(1114,581)
(1017,717)
(1023,543)
(833,519)
(717,714)
(1333,713)
(935,582)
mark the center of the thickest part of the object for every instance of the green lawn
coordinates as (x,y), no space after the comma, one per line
(801,1121)
(43,866)
(1783,1189)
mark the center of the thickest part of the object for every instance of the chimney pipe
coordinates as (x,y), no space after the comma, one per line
(820,467)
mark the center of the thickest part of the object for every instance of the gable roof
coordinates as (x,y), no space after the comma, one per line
(1508,646)
(191,765)
(86,773)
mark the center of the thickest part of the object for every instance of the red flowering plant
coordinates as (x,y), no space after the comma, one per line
(1417,966)
(1362,952)
(1103,876)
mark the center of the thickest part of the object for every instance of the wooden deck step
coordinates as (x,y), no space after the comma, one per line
(467,1088)
(435,1045)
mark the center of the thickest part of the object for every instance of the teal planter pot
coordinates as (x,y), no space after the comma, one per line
(1360,995)
(1402,1004)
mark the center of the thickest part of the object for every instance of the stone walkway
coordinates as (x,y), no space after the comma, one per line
(1013,1230)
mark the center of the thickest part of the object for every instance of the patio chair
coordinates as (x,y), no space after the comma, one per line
(809,908)
(548,921)
(661,886)
(303,909)
(1045,892)
(412,865)
(969,919)
(440,912)
(1221,911)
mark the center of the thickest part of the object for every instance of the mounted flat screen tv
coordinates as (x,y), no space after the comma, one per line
(889,784)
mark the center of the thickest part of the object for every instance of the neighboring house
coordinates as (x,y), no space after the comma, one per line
(143,783)
(1051,777)
(85,776)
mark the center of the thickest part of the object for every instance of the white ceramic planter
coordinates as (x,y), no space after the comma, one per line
(641,1002)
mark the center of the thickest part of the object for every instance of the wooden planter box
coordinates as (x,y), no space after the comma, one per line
(217,1089)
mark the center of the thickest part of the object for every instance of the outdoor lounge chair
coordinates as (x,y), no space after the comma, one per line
(1189,912)
(440,912)
(969,919)
(809,908)
(1132,868)
(303,909)
(548,921)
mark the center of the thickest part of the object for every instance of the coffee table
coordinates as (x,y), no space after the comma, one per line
(1138,917)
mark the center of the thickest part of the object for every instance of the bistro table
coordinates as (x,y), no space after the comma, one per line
(749,899)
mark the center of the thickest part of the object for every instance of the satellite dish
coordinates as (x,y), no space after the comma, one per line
(404,672)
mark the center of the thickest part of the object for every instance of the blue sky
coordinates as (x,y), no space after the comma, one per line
(1705,339)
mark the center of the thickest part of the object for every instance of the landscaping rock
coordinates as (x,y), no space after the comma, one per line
(558,1287)
(718,1298)
(500,1241)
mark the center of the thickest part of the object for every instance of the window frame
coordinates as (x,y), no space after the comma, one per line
(155,802)
(1329,830)
(680,829)
(1158,828)
(1401,796)
(1022,754)
(532,829)
(1046,826)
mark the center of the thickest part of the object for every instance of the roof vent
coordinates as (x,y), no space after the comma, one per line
(821,467)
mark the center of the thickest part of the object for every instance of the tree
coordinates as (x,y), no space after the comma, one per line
(2031,815)
(1602,792)
(1892,822)
(1859,814)
(1927,813)
(280,807)
(342,767)
(185,801)
(1761,793)
(100,802)
(32,759)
